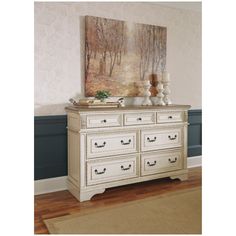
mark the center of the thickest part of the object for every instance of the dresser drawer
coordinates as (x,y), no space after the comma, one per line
(111,170)
(155,163)
(140,118)
(107,144)
(168,117)
(106,120)
(161,138)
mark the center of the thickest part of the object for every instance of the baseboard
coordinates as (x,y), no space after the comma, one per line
(50,185)
(59,183)
(194,161)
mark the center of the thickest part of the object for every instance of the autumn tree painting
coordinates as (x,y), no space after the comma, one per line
(121,55)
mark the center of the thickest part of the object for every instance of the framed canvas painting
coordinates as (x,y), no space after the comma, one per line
(121,55)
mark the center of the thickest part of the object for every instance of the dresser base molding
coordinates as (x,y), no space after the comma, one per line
(85,194)
(182,177)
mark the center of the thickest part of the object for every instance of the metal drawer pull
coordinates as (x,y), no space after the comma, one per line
(172,138)
(170,117)
(151,140)
(100,173)
(103,121)
(140,118)
(172,161)
(100,146)
(123,143)
(122,167)
(152,164)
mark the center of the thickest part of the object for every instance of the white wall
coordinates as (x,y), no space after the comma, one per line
(59,49)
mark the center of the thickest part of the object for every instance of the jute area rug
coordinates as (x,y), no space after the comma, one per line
(173,213)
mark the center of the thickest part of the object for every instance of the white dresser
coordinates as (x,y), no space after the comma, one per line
(108,147)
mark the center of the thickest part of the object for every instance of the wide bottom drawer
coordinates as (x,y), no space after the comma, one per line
(117,168)
(158,162)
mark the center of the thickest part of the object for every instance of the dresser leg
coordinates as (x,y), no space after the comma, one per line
(88,194)
(180,177)
(82,194)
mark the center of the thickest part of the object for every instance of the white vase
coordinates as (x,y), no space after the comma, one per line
(166,92)
(160,94)
(147,94)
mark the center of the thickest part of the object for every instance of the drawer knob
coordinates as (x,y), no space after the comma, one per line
(123,143)
(151,140)
(152,164)
(100,173)
(170,117)
(140,118)
(100,146)
(172,161)
(172,138)
(123,168)
(104,121)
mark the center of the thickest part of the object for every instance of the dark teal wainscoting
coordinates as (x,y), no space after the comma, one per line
(50,146)
(195,133)
(50,143)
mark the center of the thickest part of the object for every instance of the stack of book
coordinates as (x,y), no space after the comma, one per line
(93,103)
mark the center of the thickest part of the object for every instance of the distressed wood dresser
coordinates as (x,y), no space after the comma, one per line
(108,147)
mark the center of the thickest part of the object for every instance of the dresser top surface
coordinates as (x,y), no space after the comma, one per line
(127,108)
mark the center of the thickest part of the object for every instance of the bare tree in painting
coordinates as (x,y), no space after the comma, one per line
(100,26)
(143,36)
(158,49)
(151,48)
(156,43)
(121,41)
(163,49)
(91,42)
(116,39)
(110,39)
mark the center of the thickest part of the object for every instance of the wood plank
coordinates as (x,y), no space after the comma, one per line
(62,203)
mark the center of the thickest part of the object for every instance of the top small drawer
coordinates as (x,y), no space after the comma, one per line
(140,118)
(104,120)
(168,117)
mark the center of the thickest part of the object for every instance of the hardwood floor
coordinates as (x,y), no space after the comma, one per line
(62,203)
